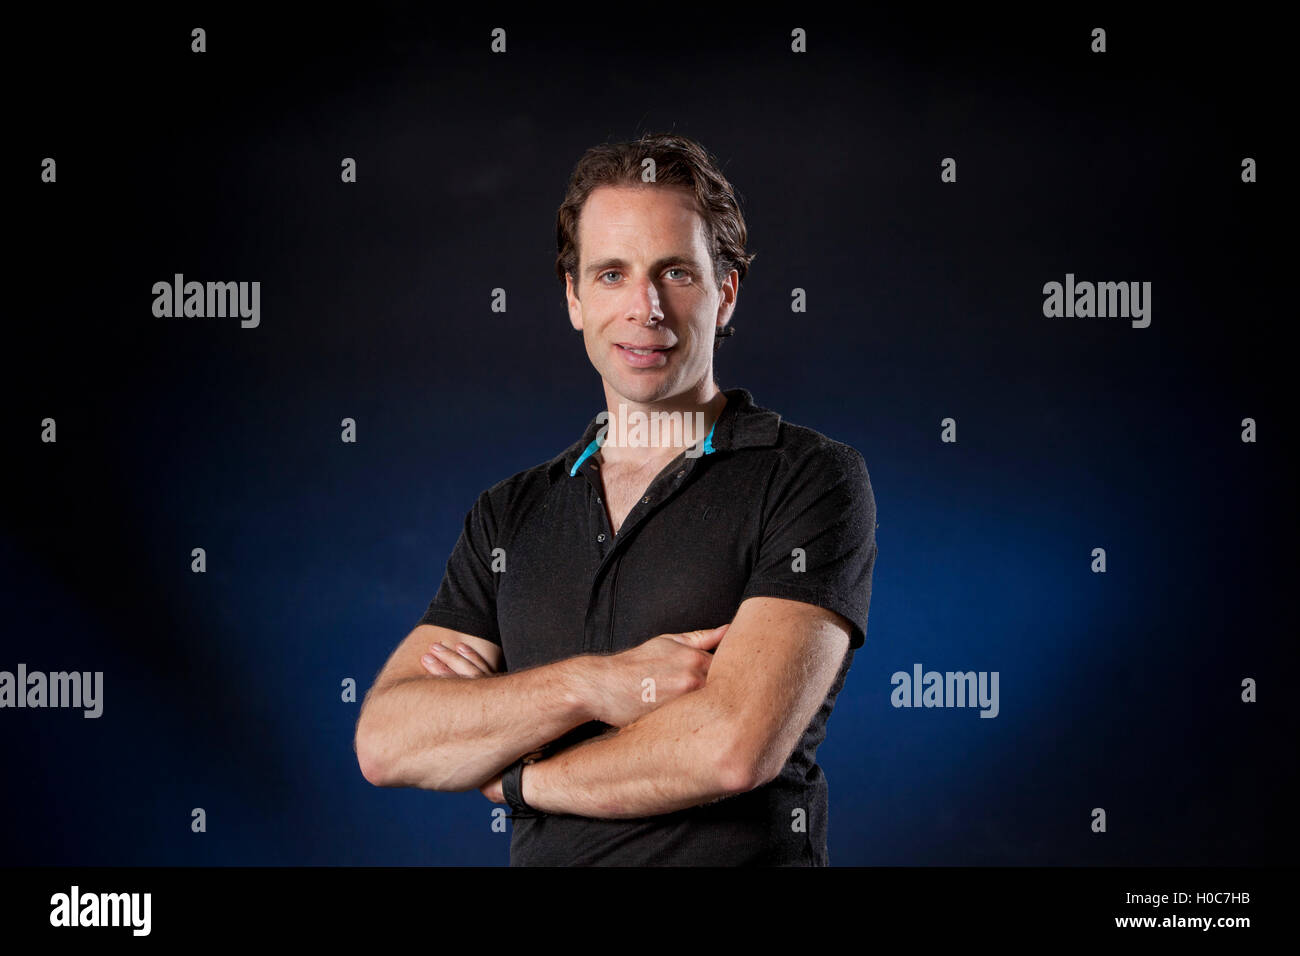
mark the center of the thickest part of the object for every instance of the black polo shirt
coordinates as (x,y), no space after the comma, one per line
(769,509)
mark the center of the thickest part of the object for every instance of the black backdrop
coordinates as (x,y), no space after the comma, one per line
(222,690)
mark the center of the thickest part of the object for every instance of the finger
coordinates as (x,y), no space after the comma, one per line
(492,790)
(474,658)
(702,640)
(454,661)
(436,667)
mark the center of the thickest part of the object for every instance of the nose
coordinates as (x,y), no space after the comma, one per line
(645,307)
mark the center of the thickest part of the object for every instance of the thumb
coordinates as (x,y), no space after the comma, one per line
(705,640)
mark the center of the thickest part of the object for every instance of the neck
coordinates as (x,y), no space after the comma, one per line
(642,432)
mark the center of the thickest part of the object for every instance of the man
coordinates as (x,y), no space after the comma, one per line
(637,644)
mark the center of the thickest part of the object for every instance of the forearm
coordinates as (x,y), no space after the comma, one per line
(455,733)
(681,755)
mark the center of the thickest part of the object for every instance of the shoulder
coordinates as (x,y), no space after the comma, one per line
(511,499)
(505,496)
(803,454)
(812,480)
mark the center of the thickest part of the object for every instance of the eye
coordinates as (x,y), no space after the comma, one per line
(685,274)
(611,272)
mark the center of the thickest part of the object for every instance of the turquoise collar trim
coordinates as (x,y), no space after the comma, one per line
(595,443)
(591,450)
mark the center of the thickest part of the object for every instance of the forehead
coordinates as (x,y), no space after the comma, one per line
(632,215)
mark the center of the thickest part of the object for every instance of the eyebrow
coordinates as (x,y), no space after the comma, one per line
(604,265)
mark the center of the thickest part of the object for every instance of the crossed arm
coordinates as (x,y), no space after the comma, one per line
(768,677)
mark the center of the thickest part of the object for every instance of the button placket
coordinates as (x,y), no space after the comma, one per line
(659,495)
(592,469)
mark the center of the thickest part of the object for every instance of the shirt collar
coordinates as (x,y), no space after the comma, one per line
(742,424)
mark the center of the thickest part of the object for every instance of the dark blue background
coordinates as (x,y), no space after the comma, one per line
(222,690)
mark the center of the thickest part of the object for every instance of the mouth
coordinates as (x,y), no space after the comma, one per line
(643,356)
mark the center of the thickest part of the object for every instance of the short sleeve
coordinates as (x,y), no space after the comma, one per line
(819,536)
(466,601)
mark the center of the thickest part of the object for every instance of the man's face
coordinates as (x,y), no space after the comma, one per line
(643,255)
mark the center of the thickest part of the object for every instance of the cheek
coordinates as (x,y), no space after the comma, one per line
(595,347)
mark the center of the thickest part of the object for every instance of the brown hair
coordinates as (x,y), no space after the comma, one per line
(678,161)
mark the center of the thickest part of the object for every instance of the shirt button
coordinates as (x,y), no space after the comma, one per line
(682,472)
(601,536)
(598,497)
(645,500)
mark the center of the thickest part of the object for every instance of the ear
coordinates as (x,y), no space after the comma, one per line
(730,291)
(575,307)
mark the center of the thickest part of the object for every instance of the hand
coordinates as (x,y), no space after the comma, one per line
(634,682)
(492,790)
(463,661)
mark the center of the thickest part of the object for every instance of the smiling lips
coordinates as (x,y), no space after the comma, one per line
(643,356)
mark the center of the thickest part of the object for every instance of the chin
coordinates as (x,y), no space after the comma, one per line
(643,389)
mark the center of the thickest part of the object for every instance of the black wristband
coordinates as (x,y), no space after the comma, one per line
(512,788)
